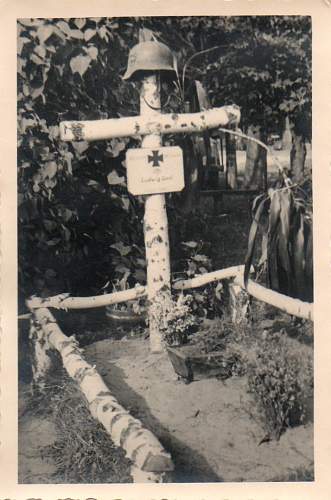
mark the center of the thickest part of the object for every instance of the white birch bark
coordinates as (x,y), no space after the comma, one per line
(155,219)
(148,124)
(63,301)
(287,304)
(141,446)
(41,362)
(292,306)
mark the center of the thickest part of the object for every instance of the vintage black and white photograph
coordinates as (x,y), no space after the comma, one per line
(165,249)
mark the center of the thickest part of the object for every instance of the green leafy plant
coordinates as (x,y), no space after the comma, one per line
(280,382)
(285,217)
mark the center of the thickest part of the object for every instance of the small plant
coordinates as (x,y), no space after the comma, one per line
(280,382)
(207,301)
(135,307)
(196,262)
(176,321)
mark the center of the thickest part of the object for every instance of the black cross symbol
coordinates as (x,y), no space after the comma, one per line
(156,158)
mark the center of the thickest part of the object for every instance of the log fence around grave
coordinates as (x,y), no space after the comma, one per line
(150,461)
(289,305)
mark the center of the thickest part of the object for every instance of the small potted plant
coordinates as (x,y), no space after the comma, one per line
(128,313)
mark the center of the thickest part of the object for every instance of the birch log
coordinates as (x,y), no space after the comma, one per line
(239,303)
(149,124)
(155,219)
(287,304)
(63,301)
(141,446)
(204,279)
(41,362)
(292,306)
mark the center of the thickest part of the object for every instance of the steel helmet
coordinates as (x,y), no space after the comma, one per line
(149,56)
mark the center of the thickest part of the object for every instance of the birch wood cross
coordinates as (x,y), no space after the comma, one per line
(150,126)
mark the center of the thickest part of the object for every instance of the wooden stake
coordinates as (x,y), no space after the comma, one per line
(155,220)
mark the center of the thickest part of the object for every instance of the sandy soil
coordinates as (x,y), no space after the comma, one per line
(35,433)
(210,427)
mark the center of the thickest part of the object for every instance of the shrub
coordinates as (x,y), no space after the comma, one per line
(281,381)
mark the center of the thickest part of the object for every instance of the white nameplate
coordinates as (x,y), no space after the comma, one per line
(152,171)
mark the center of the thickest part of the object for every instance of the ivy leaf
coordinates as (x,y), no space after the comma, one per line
(22,40)
(27,123)
(80,64)
(21,63)
(44,32)
(121,248)
(37,92)
(126,203)
(92,52)
(36,59)
(50,170)
(52,243)
(66,214)
(116,147)
(80,23)
(200,258)
(114,179)
(40,51)
(76,34)
(64,26)
(66,233)
(30,22)
(190,244)
(102,32)
(88,34)
(80,146)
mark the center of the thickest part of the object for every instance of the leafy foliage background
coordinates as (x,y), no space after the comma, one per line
(78,226)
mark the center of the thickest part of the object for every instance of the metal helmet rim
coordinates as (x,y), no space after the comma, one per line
(149,56)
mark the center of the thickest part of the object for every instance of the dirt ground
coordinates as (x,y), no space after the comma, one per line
(210,427)
(35,434)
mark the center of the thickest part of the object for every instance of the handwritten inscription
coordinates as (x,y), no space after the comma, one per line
(155,171)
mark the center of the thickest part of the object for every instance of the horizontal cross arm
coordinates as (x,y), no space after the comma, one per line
(136,126)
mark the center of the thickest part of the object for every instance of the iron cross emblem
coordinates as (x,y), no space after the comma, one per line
(155,158)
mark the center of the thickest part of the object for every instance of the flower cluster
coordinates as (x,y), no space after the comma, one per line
(174,317)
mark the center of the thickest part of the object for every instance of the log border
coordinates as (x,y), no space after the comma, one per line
(287,304)
(151,462)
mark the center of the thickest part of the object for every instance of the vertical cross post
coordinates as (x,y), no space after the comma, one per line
(155,219)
